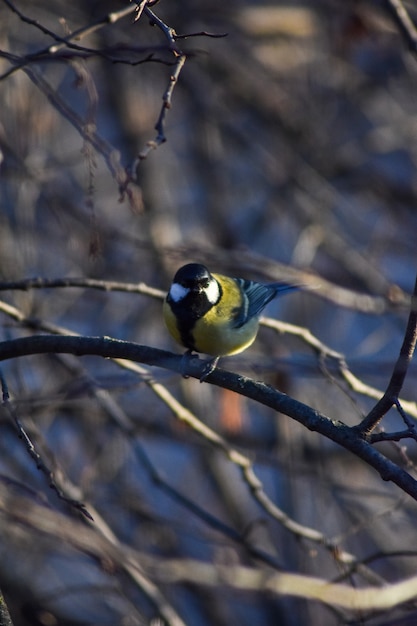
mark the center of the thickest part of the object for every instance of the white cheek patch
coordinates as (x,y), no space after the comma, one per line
(178,292)
(212,291)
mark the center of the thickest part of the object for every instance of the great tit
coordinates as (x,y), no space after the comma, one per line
(216,314)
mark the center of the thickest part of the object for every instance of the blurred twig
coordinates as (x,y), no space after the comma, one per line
(92,283)
(320,287)
(19,511)
(126,425)
(404,21)
(97,540)
(324,351)
(40,463)
(394,297)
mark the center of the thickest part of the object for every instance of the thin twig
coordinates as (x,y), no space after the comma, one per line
(81,282)
(18,511)
(124,177)
(67,41)
(399,373)
(40,463)
(50,52)
(324,351)
(160,124)
(180,57)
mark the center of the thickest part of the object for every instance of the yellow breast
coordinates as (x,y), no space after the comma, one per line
(216,333)
(213,335)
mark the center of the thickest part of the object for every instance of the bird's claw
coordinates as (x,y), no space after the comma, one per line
(186,358)
(209,368)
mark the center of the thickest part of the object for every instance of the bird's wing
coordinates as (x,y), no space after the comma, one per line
(256,296)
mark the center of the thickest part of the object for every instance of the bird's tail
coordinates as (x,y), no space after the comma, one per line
(282,287)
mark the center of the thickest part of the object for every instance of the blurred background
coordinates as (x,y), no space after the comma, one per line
(290,154)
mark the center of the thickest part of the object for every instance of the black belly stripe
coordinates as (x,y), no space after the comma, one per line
(185,323)
(187,338)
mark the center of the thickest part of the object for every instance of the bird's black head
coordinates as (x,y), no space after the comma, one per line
(193,292)
(193,276)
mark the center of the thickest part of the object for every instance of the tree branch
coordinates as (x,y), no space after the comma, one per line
(347,437)
(399,373)
(31,517)
(34,454)
(81,282)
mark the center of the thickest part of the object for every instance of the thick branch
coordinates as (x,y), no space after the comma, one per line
(337,431)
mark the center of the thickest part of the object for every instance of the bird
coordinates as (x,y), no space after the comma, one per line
(216,314)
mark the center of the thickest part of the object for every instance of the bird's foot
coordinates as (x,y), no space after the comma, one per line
(209,368)
(186,358)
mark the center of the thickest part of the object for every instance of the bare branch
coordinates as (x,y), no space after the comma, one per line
(347,437)
(91,283)
(40,463)
(160,124)
(324,352)
(20,511)
(399,373)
